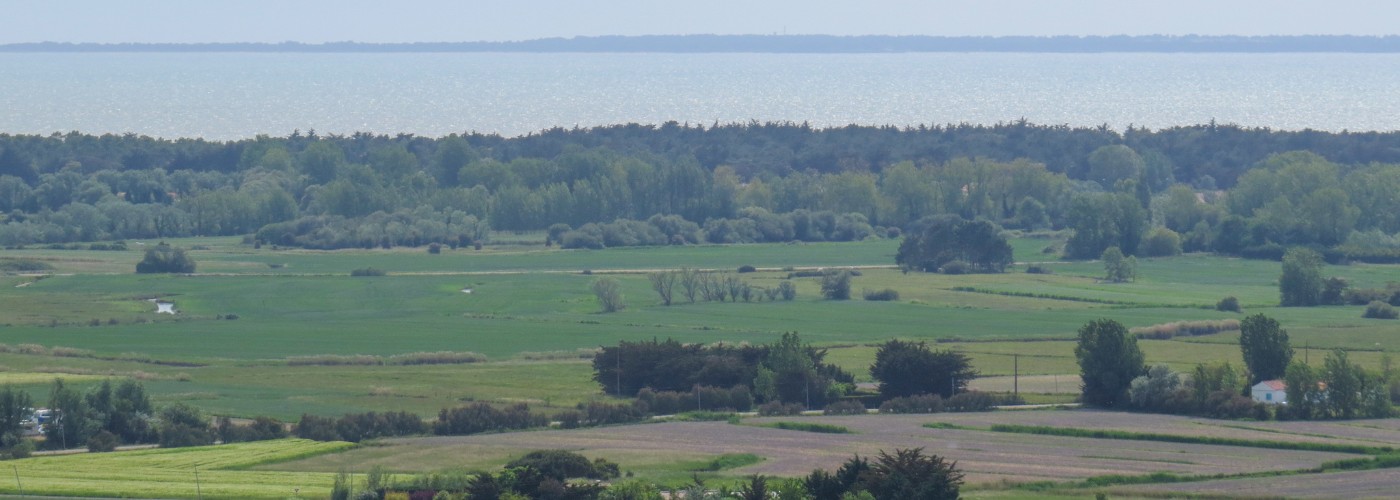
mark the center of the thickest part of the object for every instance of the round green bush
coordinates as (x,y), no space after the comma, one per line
(1380,310)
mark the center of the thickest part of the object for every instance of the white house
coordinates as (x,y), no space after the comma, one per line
(1270,392)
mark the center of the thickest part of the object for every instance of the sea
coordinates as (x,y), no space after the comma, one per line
(226,96)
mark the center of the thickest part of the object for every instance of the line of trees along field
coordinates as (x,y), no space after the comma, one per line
(1115,375)
(673,184)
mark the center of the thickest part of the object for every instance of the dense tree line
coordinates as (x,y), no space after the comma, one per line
(107,415)
(785,370)
(1115,375)
(720,183)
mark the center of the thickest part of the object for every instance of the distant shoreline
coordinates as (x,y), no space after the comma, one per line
(786,44)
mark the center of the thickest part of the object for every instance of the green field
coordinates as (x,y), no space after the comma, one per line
(210,472)
(527,299)
(232,348)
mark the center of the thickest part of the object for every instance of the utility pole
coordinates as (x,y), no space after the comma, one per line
(18,486)
(199,492)
(1016,374)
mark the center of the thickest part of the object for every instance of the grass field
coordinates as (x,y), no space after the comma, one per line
(531,314)
(526,298)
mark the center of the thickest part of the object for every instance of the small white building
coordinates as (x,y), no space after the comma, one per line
(1270,392)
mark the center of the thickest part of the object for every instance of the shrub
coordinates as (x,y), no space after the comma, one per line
(921,403)
(564,464)
(435,248)
(777,408)
(164,258)
(102,442)
(1228,404)
(435,358)
(1038,269)
(787,289)
(846,407)
(316,428)
(888,294)
(183,425)
(335,360)
(747,269)
(481,417)
(262,429)
(1334,291)
(1161,242)
(836,285)
(368,271)
(1166,331)
(972,401)
(812,427)
(1380,310)
(1230,304)
(956,267)
(609,293)
(1364,296)
(23,265)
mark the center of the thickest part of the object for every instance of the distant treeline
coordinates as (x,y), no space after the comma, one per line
(1246,191)
(787,44)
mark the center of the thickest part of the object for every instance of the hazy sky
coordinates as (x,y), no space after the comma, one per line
(447,20)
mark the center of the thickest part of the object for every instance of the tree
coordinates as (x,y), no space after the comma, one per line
(72,423)
(908,368)
(609,293)
(565,464)
(320,161)
(1265,348)
(794,372)
(164,258)
(935,241)
(1207,379)
(1302,391)
(1301,282)
(15,407)
(1161,242)
(1109,359)
(909,474)
(836,284)
(183,425)
(664,283)
(1151,391)
(1102,220)
(822,485)
(1340,389)
(1117,268)
(1344,383)
(1113,163)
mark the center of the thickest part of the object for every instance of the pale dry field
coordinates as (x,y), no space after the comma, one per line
(1383,483)
(986,457)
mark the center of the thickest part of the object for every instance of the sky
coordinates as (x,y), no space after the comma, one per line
(316,21)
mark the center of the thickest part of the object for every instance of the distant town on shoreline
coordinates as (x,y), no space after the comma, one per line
(788,44)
